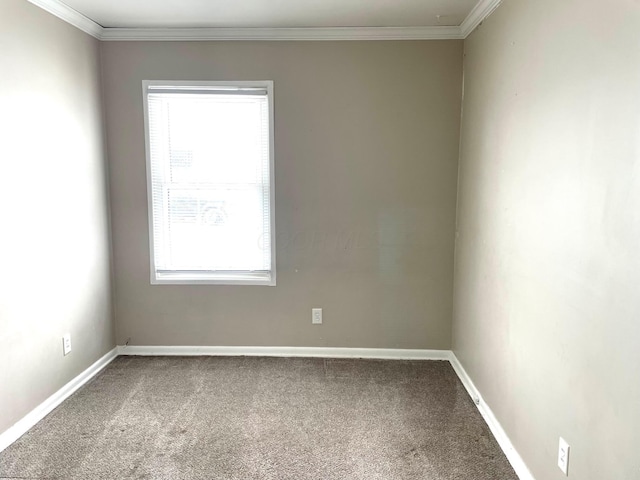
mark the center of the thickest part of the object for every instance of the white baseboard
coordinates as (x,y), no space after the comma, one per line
(501,436)
(326,352)
(42,410)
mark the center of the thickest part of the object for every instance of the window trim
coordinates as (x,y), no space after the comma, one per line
(211,277)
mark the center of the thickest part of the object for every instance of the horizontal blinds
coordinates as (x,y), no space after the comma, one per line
(210,174)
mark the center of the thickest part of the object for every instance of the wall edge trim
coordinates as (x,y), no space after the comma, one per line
(516,461)
(38,413)
(78,20)
(281,34)
(71,16)
(27,422)
(310,352)
(482,10)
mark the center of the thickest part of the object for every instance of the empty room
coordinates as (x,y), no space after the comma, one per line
(308,240)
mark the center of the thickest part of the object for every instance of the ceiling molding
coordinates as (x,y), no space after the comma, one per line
(69,15)
(482,10)
(275,34)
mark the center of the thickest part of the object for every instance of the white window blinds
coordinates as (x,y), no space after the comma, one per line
(210,178)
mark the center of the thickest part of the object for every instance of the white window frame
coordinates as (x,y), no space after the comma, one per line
(213,277)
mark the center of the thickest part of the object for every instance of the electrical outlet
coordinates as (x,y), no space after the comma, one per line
(563,456)
(66,344)
(316,316)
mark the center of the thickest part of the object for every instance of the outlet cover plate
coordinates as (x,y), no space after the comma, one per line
(66,344)
(563,456)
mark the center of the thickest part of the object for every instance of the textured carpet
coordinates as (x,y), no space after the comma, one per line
(242,418)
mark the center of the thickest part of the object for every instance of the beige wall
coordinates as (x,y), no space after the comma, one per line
(366,141)
(54,248)
(547,271)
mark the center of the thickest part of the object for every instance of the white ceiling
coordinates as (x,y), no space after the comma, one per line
(273,13)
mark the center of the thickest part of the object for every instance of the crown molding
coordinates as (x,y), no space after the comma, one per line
(482,10)
(277,34)
(71,16)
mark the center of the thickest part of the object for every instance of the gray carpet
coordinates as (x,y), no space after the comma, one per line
(242,418)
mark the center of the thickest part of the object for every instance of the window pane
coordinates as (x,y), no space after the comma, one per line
(216,140)
(209,160)
(216,229)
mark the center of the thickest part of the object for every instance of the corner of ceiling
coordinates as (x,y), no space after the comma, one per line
(71,16)
(482,10)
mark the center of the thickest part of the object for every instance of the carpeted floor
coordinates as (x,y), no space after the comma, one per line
(243,418)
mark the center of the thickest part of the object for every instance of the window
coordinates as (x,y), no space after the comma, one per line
(210,182)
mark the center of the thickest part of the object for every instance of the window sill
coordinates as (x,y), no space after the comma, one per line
(213,278)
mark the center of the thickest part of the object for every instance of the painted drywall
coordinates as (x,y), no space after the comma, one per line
(54,247)
(547,276)
(366,145)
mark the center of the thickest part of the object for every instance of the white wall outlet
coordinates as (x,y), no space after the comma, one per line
(66,343)
(563,456)
(316,316)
